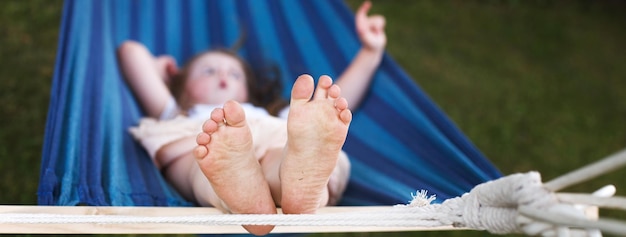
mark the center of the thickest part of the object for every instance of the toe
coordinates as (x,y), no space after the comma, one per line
(200,152)
(323,86)
(302,89)
(334,92)
(234,114)
(203,139)
(341,103)
(217,116)
(346,116)
(209,126)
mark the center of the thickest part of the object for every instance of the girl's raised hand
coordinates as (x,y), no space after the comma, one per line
(371,29)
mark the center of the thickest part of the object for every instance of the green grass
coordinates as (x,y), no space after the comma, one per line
(535,85)
(28,36)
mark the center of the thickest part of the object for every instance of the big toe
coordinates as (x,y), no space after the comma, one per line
(302,89)
(234,114)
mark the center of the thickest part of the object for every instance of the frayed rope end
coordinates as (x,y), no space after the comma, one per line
(421,199)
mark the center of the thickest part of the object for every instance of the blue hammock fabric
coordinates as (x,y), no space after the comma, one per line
(399,141)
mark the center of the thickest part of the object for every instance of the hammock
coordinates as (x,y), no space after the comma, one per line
(399,141)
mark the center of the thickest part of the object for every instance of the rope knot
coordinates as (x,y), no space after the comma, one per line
(493,206)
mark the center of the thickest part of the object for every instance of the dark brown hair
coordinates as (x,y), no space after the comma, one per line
(263,83)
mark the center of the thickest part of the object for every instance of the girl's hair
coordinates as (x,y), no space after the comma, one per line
(263,83)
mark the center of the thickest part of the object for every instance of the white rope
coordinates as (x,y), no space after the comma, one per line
(395,216)
(587,172)
(518,203)
(608,202)
(562,215)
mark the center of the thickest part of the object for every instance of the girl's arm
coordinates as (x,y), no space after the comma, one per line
(147,76)
(355,80)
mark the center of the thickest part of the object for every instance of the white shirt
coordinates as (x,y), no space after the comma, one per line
(203,111)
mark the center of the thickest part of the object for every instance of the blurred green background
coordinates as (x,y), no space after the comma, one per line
(535,85)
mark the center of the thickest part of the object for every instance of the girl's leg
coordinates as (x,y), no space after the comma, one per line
(270,164)
(177,174)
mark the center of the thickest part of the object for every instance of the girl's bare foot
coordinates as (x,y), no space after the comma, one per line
(317,129)
(225,155)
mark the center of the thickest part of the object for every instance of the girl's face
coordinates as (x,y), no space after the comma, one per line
(215,78)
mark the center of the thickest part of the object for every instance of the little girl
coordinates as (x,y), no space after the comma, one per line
(213,142)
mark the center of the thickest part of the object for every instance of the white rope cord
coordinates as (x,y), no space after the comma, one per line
(608,202)
(518,203)
(394,216)
(587,172)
